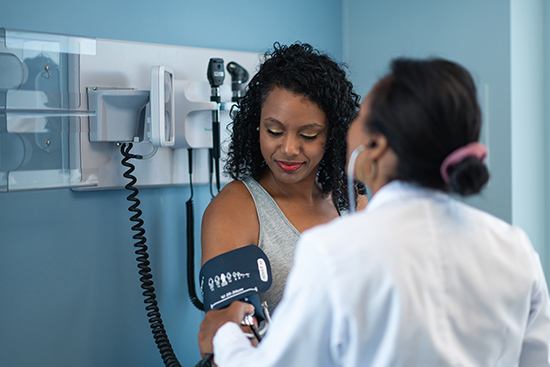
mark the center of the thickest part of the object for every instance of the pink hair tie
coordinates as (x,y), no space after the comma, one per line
(475,149)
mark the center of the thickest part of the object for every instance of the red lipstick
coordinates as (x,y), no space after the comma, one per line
(289,167)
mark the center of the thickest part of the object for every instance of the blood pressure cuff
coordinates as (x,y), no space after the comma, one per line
(237,275)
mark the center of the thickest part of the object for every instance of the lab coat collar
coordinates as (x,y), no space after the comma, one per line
(396,191)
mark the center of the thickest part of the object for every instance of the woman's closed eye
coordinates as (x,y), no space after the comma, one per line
(305,136)
(309,136)
(275,132)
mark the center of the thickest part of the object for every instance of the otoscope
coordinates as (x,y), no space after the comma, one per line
(239,76)
(216,75)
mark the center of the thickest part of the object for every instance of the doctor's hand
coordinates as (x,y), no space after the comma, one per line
(214,319)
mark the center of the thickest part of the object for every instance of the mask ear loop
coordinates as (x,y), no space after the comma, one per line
(351,169)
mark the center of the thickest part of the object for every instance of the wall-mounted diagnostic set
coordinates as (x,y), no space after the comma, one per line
(73,115)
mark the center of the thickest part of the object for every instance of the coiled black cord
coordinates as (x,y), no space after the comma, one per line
(155,320)
(191,240)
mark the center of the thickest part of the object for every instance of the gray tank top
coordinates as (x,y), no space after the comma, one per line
(278,238)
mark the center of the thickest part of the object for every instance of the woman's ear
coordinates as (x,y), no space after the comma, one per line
(377,146)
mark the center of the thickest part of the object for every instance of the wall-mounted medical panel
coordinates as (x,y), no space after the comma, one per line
(41,110)
(67,103)
(116,82)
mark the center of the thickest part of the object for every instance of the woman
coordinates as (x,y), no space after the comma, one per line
(417,278)
(287,155)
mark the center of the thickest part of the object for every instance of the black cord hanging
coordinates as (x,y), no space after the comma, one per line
(191,241)
(146,278)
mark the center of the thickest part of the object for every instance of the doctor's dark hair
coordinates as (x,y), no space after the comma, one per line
(427,109)
(303,70)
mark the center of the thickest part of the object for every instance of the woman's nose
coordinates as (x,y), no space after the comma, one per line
(290,145)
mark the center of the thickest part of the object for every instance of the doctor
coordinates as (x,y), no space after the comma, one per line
(418,278)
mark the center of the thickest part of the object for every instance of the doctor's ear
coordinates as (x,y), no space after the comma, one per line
(377,145)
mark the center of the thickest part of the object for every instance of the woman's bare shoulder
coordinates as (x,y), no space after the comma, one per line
(229,222)
(233,198)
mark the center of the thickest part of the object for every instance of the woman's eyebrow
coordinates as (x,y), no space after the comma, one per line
(272,119)
(312,125)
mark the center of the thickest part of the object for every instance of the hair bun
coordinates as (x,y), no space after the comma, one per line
(468,177)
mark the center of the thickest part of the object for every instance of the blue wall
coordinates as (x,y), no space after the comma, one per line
(244,25)
(501,43)
(70,289)
(473,33)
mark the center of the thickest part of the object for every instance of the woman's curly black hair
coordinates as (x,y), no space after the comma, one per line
(300,69)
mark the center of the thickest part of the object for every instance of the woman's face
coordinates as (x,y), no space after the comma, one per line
(293,134)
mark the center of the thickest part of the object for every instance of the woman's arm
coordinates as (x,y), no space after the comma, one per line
(229,222)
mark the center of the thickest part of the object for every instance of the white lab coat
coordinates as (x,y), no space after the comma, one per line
(416,279)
